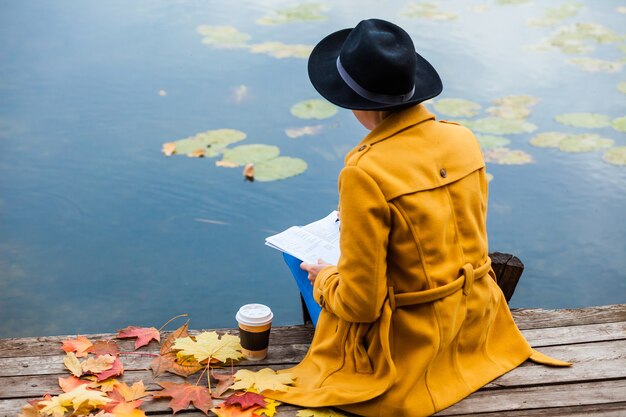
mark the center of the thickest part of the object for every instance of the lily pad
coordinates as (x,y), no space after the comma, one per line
(428,11)
(519,100)
(254,153)
(619,124)
(509,112)
(500,126)
(490,141)
(597,65)
(587,142)
(506,156)
(282,50)
(548,139)
(555,15)
(590,120)
(279,168)
(223,36)
(511,2)
(313,109)
(622,87)
(212,142)
(305,12)
(457,107)
(615,156)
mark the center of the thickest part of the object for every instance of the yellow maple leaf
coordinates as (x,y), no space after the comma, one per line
(83,396)
(55,406)
(319,412)
(135,392)
(270,408)
(73,364)
(208,345)
(128,409)
(263,380)
(98,364)
(105,386)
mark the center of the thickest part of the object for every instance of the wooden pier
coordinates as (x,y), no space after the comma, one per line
(593,339)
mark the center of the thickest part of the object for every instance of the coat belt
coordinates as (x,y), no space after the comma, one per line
(465,281)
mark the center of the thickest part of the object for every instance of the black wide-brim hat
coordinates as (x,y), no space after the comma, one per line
(372,66)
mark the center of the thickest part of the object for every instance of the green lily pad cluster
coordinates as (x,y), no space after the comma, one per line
(555,15)
(500,126)
(621,87)
(579,38)
(506,156)
(491,141)
(512,2)
(588,120)
(619,124)
(305,12)
(597,65)
(268,165)
(457,107)
(282,50)
(572,143)
(429,11)
(226,37)
(615,156)
(313,109)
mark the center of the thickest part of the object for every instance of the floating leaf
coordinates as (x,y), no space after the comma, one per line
(555,15)
(162,93)
(512,107)
(185,394)
(505,156)
(223,36)
(619,124)
(500,126)
(306,130)
(548,139)
(584,143)
(143,334)
(253,153)
(213,142)
(282,50)
(279,168)
(313,109)
(169,148)
(305,12)
(263,380)
(490,141)
(457,107)
(589,120)
(519,100)
(319,412)
(621,87)
(428,11)
(209,345)
(248,171)
(615,156)
(597,65)
(511,2)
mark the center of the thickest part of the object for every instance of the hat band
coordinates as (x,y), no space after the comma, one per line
(370,95)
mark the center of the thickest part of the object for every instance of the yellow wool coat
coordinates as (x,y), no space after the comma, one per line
(412,319)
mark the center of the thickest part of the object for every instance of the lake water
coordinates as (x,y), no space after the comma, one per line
(99,230)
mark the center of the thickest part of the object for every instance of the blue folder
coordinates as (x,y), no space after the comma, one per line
(304,285)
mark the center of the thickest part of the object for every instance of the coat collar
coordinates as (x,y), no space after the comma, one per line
(393,124)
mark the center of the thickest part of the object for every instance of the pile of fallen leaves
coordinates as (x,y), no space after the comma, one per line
(93,389)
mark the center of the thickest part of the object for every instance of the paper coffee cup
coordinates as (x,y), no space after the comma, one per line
(255,322)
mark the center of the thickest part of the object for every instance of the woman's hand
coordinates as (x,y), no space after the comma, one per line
(314,269)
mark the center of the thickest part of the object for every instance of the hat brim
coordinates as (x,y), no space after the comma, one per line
(324,76)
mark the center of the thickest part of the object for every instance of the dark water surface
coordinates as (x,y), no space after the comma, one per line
(99,230)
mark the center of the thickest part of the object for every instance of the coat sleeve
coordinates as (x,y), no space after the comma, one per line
(355,289)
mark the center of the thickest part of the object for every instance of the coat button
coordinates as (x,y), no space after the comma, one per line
(443,173)
(362,148)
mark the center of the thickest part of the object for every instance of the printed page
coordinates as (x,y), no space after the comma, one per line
(326,228)
(304,245)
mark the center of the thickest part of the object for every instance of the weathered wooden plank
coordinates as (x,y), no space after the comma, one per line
(546,396)
(536,318)
(592,361)
(576,334)
(593,410)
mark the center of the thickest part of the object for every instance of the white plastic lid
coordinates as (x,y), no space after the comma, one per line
(254,315)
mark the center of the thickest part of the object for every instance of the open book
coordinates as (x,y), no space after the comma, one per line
(317,240)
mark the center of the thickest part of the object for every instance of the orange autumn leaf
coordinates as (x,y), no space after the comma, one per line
(248,172)
(79,346)
(104,347)
(167,361)
(185,394)
(71,382)
(128,409)
(143,334)
(116,370)
(224,381)
(98,364)
(124,393)
(169,148)
(235,411)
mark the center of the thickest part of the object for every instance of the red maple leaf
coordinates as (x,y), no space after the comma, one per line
(233,411)
(246,400)
(104,347)
(143,334)
(223,382)
(116,369)
(185,394)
